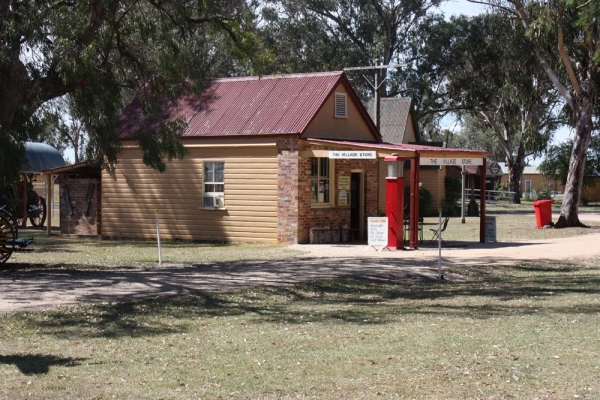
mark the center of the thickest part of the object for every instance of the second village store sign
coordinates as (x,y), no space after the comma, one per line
(451,161)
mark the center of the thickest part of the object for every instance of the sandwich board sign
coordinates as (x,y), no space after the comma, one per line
(377,232)
(490,229)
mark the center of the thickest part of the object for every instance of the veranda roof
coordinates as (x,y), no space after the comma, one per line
(406,150)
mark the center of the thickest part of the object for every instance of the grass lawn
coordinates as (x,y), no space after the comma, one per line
(528,331)
(513,223)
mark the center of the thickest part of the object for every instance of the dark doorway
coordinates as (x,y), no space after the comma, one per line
(355,201)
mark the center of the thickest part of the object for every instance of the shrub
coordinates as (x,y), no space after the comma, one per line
(425,199)
(501,187)
(453,194)
(544,195)
(536,195)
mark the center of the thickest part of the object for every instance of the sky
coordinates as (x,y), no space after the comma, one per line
(451,7)
(457,7)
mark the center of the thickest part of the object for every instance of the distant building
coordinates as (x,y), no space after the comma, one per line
(533,180)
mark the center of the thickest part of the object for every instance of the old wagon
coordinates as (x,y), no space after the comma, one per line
(9,241)
(21,203)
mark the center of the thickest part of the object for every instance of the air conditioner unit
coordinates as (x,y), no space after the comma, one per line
(213,200)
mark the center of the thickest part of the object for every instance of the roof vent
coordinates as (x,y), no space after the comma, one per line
(340,105)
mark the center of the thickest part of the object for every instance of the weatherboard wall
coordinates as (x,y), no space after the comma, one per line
(326,126)
(132,192)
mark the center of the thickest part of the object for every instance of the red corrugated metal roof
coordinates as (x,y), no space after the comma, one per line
(243,106)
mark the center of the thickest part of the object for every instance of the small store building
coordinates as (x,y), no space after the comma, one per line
(268,159)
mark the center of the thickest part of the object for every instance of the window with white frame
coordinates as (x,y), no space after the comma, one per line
(321,181)
(214,177)
(341,109)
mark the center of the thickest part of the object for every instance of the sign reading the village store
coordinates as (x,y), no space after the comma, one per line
(353,154)
(459,162)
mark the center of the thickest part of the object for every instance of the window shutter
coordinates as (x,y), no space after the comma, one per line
(340,105)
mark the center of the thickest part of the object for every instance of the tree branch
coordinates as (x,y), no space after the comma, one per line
(498,6)
(341,26)
(492,124)
(563,55)
(97,15)
(520,10)
(387,27)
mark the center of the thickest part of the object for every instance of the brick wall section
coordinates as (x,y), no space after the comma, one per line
(339,215)
(78,223)
(287,189)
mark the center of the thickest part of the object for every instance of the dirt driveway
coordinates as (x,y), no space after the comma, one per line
(25,290)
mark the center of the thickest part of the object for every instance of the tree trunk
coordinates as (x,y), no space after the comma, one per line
(515,174)
(14,86)
(583,129)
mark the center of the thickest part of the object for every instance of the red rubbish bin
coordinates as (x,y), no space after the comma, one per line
(543,212)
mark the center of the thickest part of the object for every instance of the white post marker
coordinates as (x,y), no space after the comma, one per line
(378,232)
(440,244)
(158,237)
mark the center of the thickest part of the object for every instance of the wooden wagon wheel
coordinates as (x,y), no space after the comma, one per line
(7,239)
(38,215)
(7,214)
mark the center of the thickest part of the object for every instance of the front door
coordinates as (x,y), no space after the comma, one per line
(355,201)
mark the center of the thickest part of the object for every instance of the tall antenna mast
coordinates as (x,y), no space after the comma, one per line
(375,86)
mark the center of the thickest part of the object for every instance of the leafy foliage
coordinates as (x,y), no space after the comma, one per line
(556,163)
(316,35)
(425,200)
(101,52)
(476,134)
(453,194)
(494,83)
(566,38)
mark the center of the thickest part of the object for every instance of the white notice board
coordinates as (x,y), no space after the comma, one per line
(490,229)
(378,231)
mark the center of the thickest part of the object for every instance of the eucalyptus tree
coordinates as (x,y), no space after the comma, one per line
(101,52)
(555,165)
(572,62)
(67,127)
(316,35)
(476,134)
(489,73)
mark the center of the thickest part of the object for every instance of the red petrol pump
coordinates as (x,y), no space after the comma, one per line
(394,194)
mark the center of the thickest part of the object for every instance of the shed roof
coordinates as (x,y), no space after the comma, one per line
(529,169)
(81,168)
(281,104)
(395,113)
(41,156)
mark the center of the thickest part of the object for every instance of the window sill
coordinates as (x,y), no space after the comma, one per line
(213,208)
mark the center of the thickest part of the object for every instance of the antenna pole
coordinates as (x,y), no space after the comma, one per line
(377,97)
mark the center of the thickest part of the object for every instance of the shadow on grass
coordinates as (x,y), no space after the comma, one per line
(118,319)
(367,296)
(33,364)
